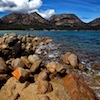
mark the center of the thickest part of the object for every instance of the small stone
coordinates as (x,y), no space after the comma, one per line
(60,68)
(17,63)
(20,74)
(65,57)
(73,60)
(25,61)
(48,40)
(51,67)
(80,66)
(33,58)
(3,66)
(35,65)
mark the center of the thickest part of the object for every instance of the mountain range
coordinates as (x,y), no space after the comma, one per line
(34,21)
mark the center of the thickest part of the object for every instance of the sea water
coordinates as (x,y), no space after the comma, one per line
(86,44)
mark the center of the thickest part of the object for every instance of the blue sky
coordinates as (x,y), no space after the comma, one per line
(86,10)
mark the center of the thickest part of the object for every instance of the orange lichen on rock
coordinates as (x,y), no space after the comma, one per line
(77,87)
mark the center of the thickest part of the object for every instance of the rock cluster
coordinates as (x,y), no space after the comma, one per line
(22,62)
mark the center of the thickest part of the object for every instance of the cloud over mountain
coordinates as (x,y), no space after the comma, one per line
(24,6)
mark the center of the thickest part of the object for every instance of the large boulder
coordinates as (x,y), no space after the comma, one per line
(11,89)
(77,88)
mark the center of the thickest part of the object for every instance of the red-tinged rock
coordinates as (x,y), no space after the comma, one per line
(77,88)
(20,74)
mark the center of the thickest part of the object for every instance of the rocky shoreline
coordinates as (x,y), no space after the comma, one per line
(32,68)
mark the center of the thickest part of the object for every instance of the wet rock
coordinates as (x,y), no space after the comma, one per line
(33,58)
(65,57)
(73,60)
(20,74)
(48,40)
(80,66)
(35,65)
(3,66)
(55,67)
(44,87)
(25,61)
(45,98)
(17,63)
(77,87)
(96,66)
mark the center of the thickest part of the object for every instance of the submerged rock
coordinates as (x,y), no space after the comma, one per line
(96,66)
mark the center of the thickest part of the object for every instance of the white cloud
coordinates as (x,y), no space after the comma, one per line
(47,14)
(24,6)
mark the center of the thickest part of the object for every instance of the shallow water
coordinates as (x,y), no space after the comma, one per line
(86,44)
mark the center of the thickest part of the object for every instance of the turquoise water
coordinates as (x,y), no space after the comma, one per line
(86,44)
